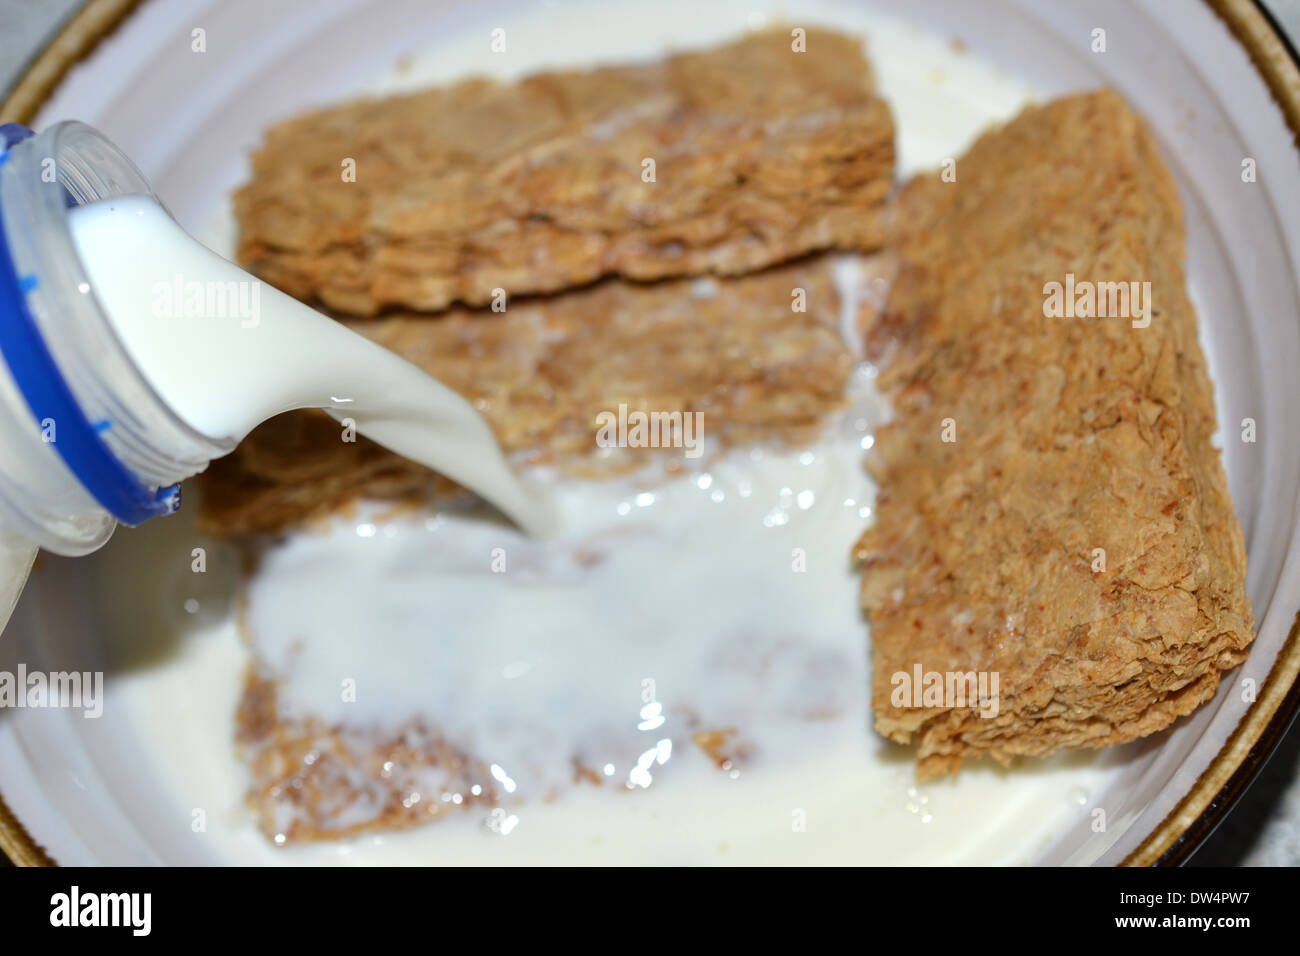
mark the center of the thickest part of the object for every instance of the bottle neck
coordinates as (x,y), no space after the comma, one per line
(85,441)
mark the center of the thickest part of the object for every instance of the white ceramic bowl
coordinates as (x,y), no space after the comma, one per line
(81,791)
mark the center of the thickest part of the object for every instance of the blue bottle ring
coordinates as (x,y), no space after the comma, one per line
(78,442)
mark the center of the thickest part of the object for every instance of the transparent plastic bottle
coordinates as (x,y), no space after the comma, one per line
(85,441)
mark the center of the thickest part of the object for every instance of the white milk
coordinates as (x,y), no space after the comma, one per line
(227,352)
(718,599)
(661,608)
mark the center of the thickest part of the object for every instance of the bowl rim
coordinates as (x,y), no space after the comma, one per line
(1261,728)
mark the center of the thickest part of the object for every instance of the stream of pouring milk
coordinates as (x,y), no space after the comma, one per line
(688,583)
(237,352)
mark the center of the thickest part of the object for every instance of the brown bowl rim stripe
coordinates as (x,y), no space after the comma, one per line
(71,44)
(1264,724)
